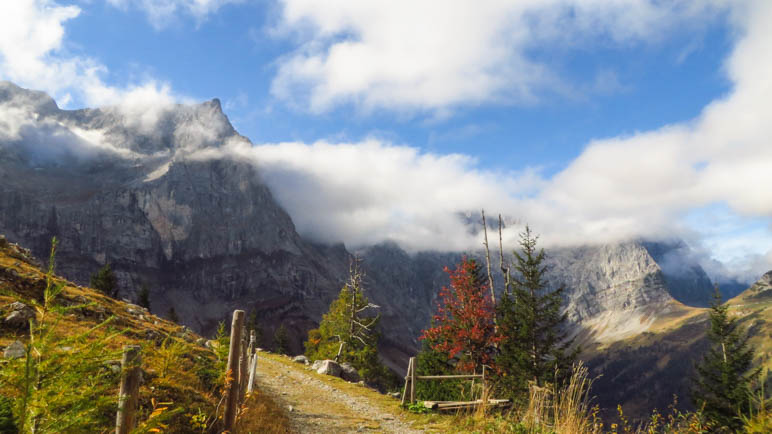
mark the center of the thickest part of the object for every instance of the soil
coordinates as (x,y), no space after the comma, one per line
(316,404)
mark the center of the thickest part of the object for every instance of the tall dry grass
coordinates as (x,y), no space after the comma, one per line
(566,410)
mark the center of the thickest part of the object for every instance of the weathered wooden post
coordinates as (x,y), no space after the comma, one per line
(407,381)
(251,358)
(252,369)
(243,366)
(412,380)
(251,349)
(128,396)
(232,373)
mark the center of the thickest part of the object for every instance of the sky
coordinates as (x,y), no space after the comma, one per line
(591,120)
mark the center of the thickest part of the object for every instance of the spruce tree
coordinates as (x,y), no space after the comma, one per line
(144,297)
(105,281)
(724,377)
(173,317)
(281,340)
(533,349)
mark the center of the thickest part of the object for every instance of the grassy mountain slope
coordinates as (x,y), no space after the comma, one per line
(181,372)
(645,371)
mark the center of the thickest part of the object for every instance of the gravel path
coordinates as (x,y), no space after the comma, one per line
(317,407)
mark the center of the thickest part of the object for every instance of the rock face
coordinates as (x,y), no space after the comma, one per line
(204,234)
(763,284)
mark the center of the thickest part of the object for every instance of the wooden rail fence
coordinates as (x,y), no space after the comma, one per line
(410,382)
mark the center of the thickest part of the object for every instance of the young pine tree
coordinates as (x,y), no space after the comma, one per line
(348,333)
(60,384)
(463,328)
(724,377)
(105,281)
(533,347)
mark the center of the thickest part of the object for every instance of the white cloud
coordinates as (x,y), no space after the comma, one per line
(161,13)
(642,185)
(34,54)
(434,55)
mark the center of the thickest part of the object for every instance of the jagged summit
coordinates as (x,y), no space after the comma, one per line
(131,131)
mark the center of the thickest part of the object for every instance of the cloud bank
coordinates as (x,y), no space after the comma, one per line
(643,185)
(436,55)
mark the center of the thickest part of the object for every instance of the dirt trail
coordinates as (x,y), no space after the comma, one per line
(316,406)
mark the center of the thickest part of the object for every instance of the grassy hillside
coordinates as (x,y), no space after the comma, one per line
(645,371)
(78,337)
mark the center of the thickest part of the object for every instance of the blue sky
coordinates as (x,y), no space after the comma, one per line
(592,120)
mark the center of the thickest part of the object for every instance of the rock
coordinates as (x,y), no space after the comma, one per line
(20,315)
(14,351)
(329,367)
(134,311)
(349,373)
(113,365)
(300,359)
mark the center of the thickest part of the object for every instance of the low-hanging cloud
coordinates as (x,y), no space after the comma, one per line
(642,185)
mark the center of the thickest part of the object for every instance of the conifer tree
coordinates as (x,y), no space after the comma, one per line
(60,384)
(281,340)
(724,377)
(533,347)
(144,297)
(348,332)
(105,281)
(173,317)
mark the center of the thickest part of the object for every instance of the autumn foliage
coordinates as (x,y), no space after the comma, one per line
(464,327)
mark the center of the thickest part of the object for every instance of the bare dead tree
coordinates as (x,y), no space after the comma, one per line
(504,268)
(360,327)
(488,258)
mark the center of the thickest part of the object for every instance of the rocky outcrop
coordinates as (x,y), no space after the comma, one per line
(204,234)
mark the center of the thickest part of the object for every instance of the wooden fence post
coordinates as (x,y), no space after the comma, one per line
(128,396)
(407,381)
(232,373)
(243,366)
(252,369)
(412,380)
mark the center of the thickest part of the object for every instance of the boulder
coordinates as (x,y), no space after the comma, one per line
(349,373)
(14,351)
(300,359)
(329,367)
(20,315)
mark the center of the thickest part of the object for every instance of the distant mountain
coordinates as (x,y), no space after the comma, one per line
(204,234)
(644,371)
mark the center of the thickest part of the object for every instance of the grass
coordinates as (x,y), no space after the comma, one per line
(182,386)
